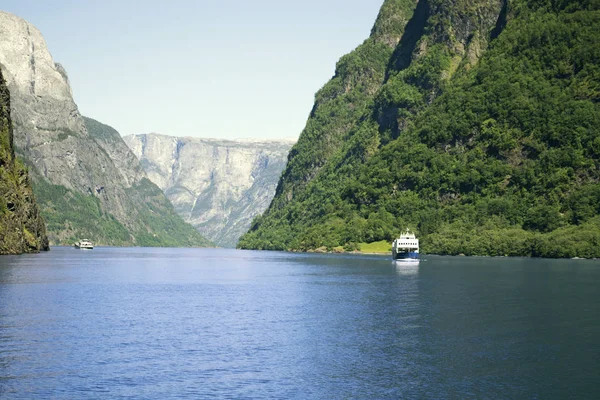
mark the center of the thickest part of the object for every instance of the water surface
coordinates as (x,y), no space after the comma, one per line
(196,323)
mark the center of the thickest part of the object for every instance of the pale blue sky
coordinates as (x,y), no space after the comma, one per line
(226,69)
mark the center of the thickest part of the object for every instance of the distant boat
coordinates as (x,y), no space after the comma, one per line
(406,247)
(84,244)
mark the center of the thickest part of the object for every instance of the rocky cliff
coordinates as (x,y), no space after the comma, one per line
(218,186)
(22,229)
(475,123)
(87,185)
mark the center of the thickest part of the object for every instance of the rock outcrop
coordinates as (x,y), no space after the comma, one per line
(22,229)
(218,186)
(84,183)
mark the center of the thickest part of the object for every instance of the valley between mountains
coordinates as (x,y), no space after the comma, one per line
(476,124)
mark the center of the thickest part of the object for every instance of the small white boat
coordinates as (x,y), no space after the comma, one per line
(84,244)
(406,247)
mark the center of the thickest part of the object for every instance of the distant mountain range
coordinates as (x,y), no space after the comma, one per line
(218,186)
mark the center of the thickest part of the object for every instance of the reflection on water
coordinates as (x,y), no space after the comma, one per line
(202,323)
(407,267)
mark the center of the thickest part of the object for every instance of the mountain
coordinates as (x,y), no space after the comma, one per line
(86,182)
(474,123)
(218,186)
(22,229)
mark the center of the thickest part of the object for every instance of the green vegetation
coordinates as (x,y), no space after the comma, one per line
(71,216)
(65,134)
(495,154)
(167,228)
(382,246)
(21,227)
(101,132)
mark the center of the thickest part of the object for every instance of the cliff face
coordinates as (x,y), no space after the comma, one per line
(218,186)
(22,229)
(83,182)
(474,123)
(49,131)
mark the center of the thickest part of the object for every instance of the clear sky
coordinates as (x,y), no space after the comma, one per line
(206,68)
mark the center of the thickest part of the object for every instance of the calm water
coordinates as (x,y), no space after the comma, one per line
(176,323)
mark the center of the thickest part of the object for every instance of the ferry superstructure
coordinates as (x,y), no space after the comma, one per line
(406,247)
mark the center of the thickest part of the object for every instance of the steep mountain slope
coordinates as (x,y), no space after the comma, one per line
(218,186)
(483,136)
(112,143)
(81,189)
(22,229)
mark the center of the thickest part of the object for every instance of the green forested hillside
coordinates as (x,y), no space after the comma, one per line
(483,136)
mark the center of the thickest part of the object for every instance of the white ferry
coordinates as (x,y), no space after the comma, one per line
(84,244)
(406,247)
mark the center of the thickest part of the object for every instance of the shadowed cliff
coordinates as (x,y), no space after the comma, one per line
(22,229)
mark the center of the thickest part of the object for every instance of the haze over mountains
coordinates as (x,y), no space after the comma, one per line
(218,186)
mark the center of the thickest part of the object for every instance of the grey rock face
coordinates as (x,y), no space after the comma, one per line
(218,186)
(53,138)
(49,130)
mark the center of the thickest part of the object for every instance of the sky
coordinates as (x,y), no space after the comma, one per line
(207,68)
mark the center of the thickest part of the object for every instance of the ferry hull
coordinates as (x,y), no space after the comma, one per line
(409,255)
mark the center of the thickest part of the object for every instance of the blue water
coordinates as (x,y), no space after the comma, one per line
(199,323)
